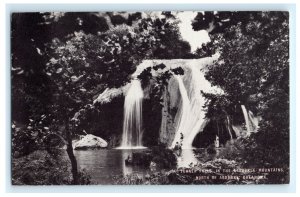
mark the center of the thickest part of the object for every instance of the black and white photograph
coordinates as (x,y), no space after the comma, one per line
(150,98)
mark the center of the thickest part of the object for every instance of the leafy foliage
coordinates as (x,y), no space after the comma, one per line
(35,136)
(253,69)
(41,168)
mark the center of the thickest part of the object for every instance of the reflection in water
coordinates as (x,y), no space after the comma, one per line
(103,165)
(127,169)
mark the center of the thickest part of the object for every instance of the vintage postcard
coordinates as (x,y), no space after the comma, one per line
(150,98)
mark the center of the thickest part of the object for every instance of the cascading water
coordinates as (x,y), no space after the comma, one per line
(228,127)
(246,117)
(191,114)
(132,121)
(183,113)
(250,120)
(254,121)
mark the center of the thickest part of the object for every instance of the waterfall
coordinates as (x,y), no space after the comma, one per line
(250,120)
(227,122)
(183,113)
(132,120)
(191,114)
(246,117)
(254,121)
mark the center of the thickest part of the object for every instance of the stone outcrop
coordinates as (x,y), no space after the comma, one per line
(90,142)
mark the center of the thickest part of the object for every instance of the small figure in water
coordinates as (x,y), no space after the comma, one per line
(217,143)
(178,149)
(128,160)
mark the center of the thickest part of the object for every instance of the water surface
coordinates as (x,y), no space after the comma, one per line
(104,164)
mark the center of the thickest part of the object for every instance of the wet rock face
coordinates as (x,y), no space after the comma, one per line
(151,122)
(171,101)
(152,106)
(159,110)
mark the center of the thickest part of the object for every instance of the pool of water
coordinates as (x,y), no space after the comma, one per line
(105,164)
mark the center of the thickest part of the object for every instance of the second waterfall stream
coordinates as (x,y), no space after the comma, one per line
(133,119)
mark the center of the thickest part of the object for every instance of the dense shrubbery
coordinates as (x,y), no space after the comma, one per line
(43,168)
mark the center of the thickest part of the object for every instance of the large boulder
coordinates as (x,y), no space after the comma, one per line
(90,142)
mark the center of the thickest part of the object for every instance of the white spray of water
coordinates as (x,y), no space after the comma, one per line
(228,127)
(191,114)
(183,112)
(254,121)
(132,120)
(246,117)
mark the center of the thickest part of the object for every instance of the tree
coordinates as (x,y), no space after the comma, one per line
(32,88)
(253,69)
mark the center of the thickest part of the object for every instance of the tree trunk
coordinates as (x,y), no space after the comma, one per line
(71,156)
